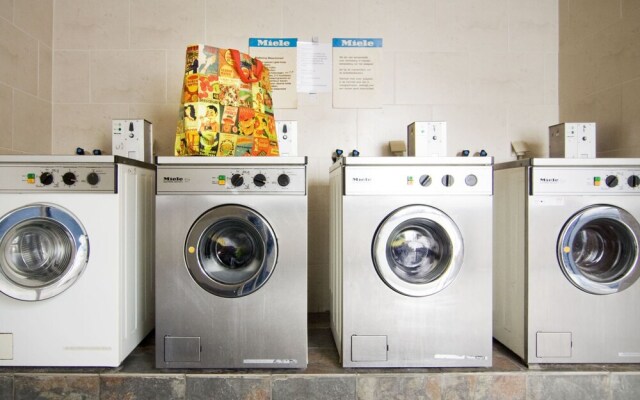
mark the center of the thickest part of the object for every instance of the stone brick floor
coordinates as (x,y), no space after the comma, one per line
(508,378)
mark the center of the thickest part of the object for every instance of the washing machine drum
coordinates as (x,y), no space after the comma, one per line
(418,250)
(43,250)
(231,251)
(598,249)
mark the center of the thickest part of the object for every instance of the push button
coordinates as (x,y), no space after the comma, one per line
(471,180)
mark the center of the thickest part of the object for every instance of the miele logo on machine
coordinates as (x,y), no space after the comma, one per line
(358,179)
(173,179)
(549,180)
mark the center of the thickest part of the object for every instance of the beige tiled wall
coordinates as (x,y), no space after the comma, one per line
(487,67)
(599,71)
(26,53)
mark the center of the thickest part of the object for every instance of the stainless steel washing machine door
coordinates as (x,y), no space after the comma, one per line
(231,251)
(598,249)
(43,250)
(418,250)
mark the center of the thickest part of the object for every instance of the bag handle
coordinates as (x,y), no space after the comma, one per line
(256,70)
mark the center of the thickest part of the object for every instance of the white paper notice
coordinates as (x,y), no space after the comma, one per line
(357,73)
(279,56)
(314,67)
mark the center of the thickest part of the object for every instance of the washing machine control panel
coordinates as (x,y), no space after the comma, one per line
(585,180)
(57,178)
(232,180)
(419,180)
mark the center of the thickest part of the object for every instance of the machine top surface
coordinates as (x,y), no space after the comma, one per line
(59,159)
(195,160)
(570,162)
(402,161)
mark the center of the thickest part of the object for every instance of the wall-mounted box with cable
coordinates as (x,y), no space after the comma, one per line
(287,137)
(132,138)
(427,139)
(572,140)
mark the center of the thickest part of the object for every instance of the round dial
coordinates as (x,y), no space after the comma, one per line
(69,178)
(633,181)
(46,178)
(259,180)
(93,178)
(425,180)
(611,181)
(447,180)
(284,180)
(237,180)
(471,180)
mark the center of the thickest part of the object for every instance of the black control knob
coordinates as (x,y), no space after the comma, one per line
(284,180)
(93,178)
(447,180)
(69,178)
(633,181)
(237,180)
(259,180)
(611,181)
(46,178)
(425,180)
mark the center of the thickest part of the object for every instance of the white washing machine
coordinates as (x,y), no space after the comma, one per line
(76,259)
(411,261)
(566,237)
(231,283)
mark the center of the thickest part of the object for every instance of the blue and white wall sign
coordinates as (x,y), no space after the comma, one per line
(279,55)
(357,72)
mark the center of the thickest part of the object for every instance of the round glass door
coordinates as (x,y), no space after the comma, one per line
(43,251)
(598,249)
(231,251)
(418,250)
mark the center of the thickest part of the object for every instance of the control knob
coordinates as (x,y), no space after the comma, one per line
(284,180)
(69,178)
(447,180)
(46,178)
(259,180)
(425,180)
(237,180)
(633,181)
(93,178)
(611,181)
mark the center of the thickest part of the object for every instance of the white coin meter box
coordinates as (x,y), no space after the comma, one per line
(427,139)
(132,139)
(572,140)
(287,138)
